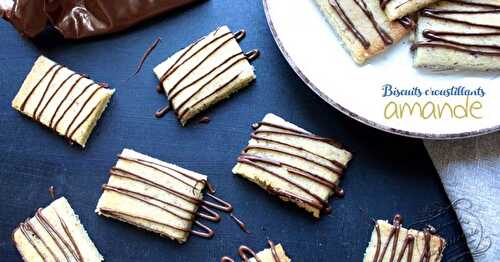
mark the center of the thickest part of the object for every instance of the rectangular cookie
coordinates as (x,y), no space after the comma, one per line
(459,35)
(207,71)
(66,102)
(272,254)
(395,243)
(55,234)
(293,164)
(153,195)
(363,27)
(396,9)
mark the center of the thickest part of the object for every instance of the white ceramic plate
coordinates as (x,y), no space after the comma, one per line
(313,50)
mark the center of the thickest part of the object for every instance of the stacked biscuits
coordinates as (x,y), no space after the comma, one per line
(449,34)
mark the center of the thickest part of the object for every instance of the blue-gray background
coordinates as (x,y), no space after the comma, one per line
(388,174)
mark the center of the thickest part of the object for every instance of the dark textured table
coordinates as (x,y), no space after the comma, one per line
(388,174)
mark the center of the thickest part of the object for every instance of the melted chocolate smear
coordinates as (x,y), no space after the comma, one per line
(210,187)
(146,54)
(207,233)
(220,205)
(204,120)
(52,192)
(252,55)
(209,215)
(159,88)
(162,111)
(240,35)
(240,223)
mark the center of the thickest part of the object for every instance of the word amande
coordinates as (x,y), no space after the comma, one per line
(431,110)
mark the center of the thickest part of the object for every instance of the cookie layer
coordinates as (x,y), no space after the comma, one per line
(293,163)
(65,101)
(396,9)
(395,243)
(205,72)
(362,26)
(55,234)
(459,35)
(153,195)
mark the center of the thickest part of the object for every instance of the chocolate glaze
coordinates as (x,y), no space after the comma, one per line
(173,94)
(29,227)
(407,247)
(52,192)
(162,111)
(146,55)
(155,166)
(437,39)
(338,171)
(438,36)
(62,101)
(204,120)
(317,202)
(53,95)
(23,104)
(350,26)
(383,3)
(23,228)
(211,216)
(246,157)
(438,14)
(246,253)
(182,113)
(461,2)
(386,38)
(407,22)
(220,205)
(453,47)
(126,174)
(144,198)
(56,236)
(70,236)
(178,63)
(70,105)
(252,54)
(175,90)
(35,117)
(206,212)
(240,223)
(266,148)
(294,132)
(68,249)
(70,135)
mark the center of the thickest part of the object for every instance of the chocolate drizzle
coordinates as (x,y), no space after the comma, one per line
(441,15)
(41,106)
(347,21)
(260,161)
(146,54)
(183,58)
(69,249)
(246,253)
(452,40)
(205,207)
(384,36)
(23,105)
(408,244)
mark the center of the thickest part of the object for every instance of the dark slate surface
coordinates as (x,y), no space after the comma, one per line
(389,174)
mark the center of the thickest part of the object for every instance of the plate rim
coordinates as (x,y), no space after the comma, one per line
(349,113)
